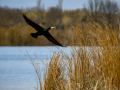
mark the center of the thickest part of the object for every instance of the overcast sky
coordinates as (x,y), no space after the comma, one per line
(67,4)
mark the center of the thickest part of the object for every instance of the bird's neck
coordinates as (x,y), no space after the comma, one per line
(48,29)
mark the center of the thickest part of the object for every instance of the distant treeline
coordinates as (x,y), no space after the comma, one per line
(103,12)
(98,10)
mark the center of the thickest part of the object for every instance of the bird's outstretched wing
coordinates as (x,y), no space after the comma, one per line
(50,38)
(31,23)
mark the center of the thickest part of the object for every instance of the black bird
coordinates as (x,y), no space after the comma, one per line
(41,31)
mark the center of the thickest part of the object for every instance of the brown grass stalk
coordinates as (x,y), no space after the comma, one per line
(93,67)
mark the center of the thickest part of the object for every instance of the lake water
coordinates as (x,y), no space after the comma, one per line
(16,71)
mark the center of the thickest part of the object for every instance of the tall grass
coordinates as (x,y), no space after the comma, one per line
(87,68)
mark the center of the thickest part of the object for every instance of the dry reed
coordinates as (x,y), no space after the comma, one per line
(93,67)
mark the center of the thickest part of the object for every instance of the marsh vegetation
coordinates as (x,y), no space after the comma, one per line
(98,69)
(94,69)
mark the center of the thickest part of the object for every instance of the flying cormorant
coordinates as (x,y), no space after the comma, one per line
(41,31)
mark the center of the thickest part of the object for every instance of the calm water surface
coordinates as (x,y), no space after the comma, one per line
(16,71)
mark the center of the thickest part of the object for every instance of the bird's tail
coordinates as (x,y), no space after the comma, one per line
(35,35)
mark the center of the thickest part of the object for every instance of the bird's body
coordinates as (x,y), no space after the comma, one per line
(41,31)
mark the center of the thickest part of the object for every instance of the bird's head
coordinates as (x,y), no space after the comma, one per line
(50,28)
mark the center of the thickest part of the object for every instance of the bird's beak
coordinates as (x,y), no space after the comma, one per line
(52,27)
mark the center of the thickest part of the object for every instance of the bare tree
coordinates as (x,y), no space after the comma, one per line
(60,12)
(110,10)
(94,9)
(105,9)
(38,10)
(60,4)
(38,3)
